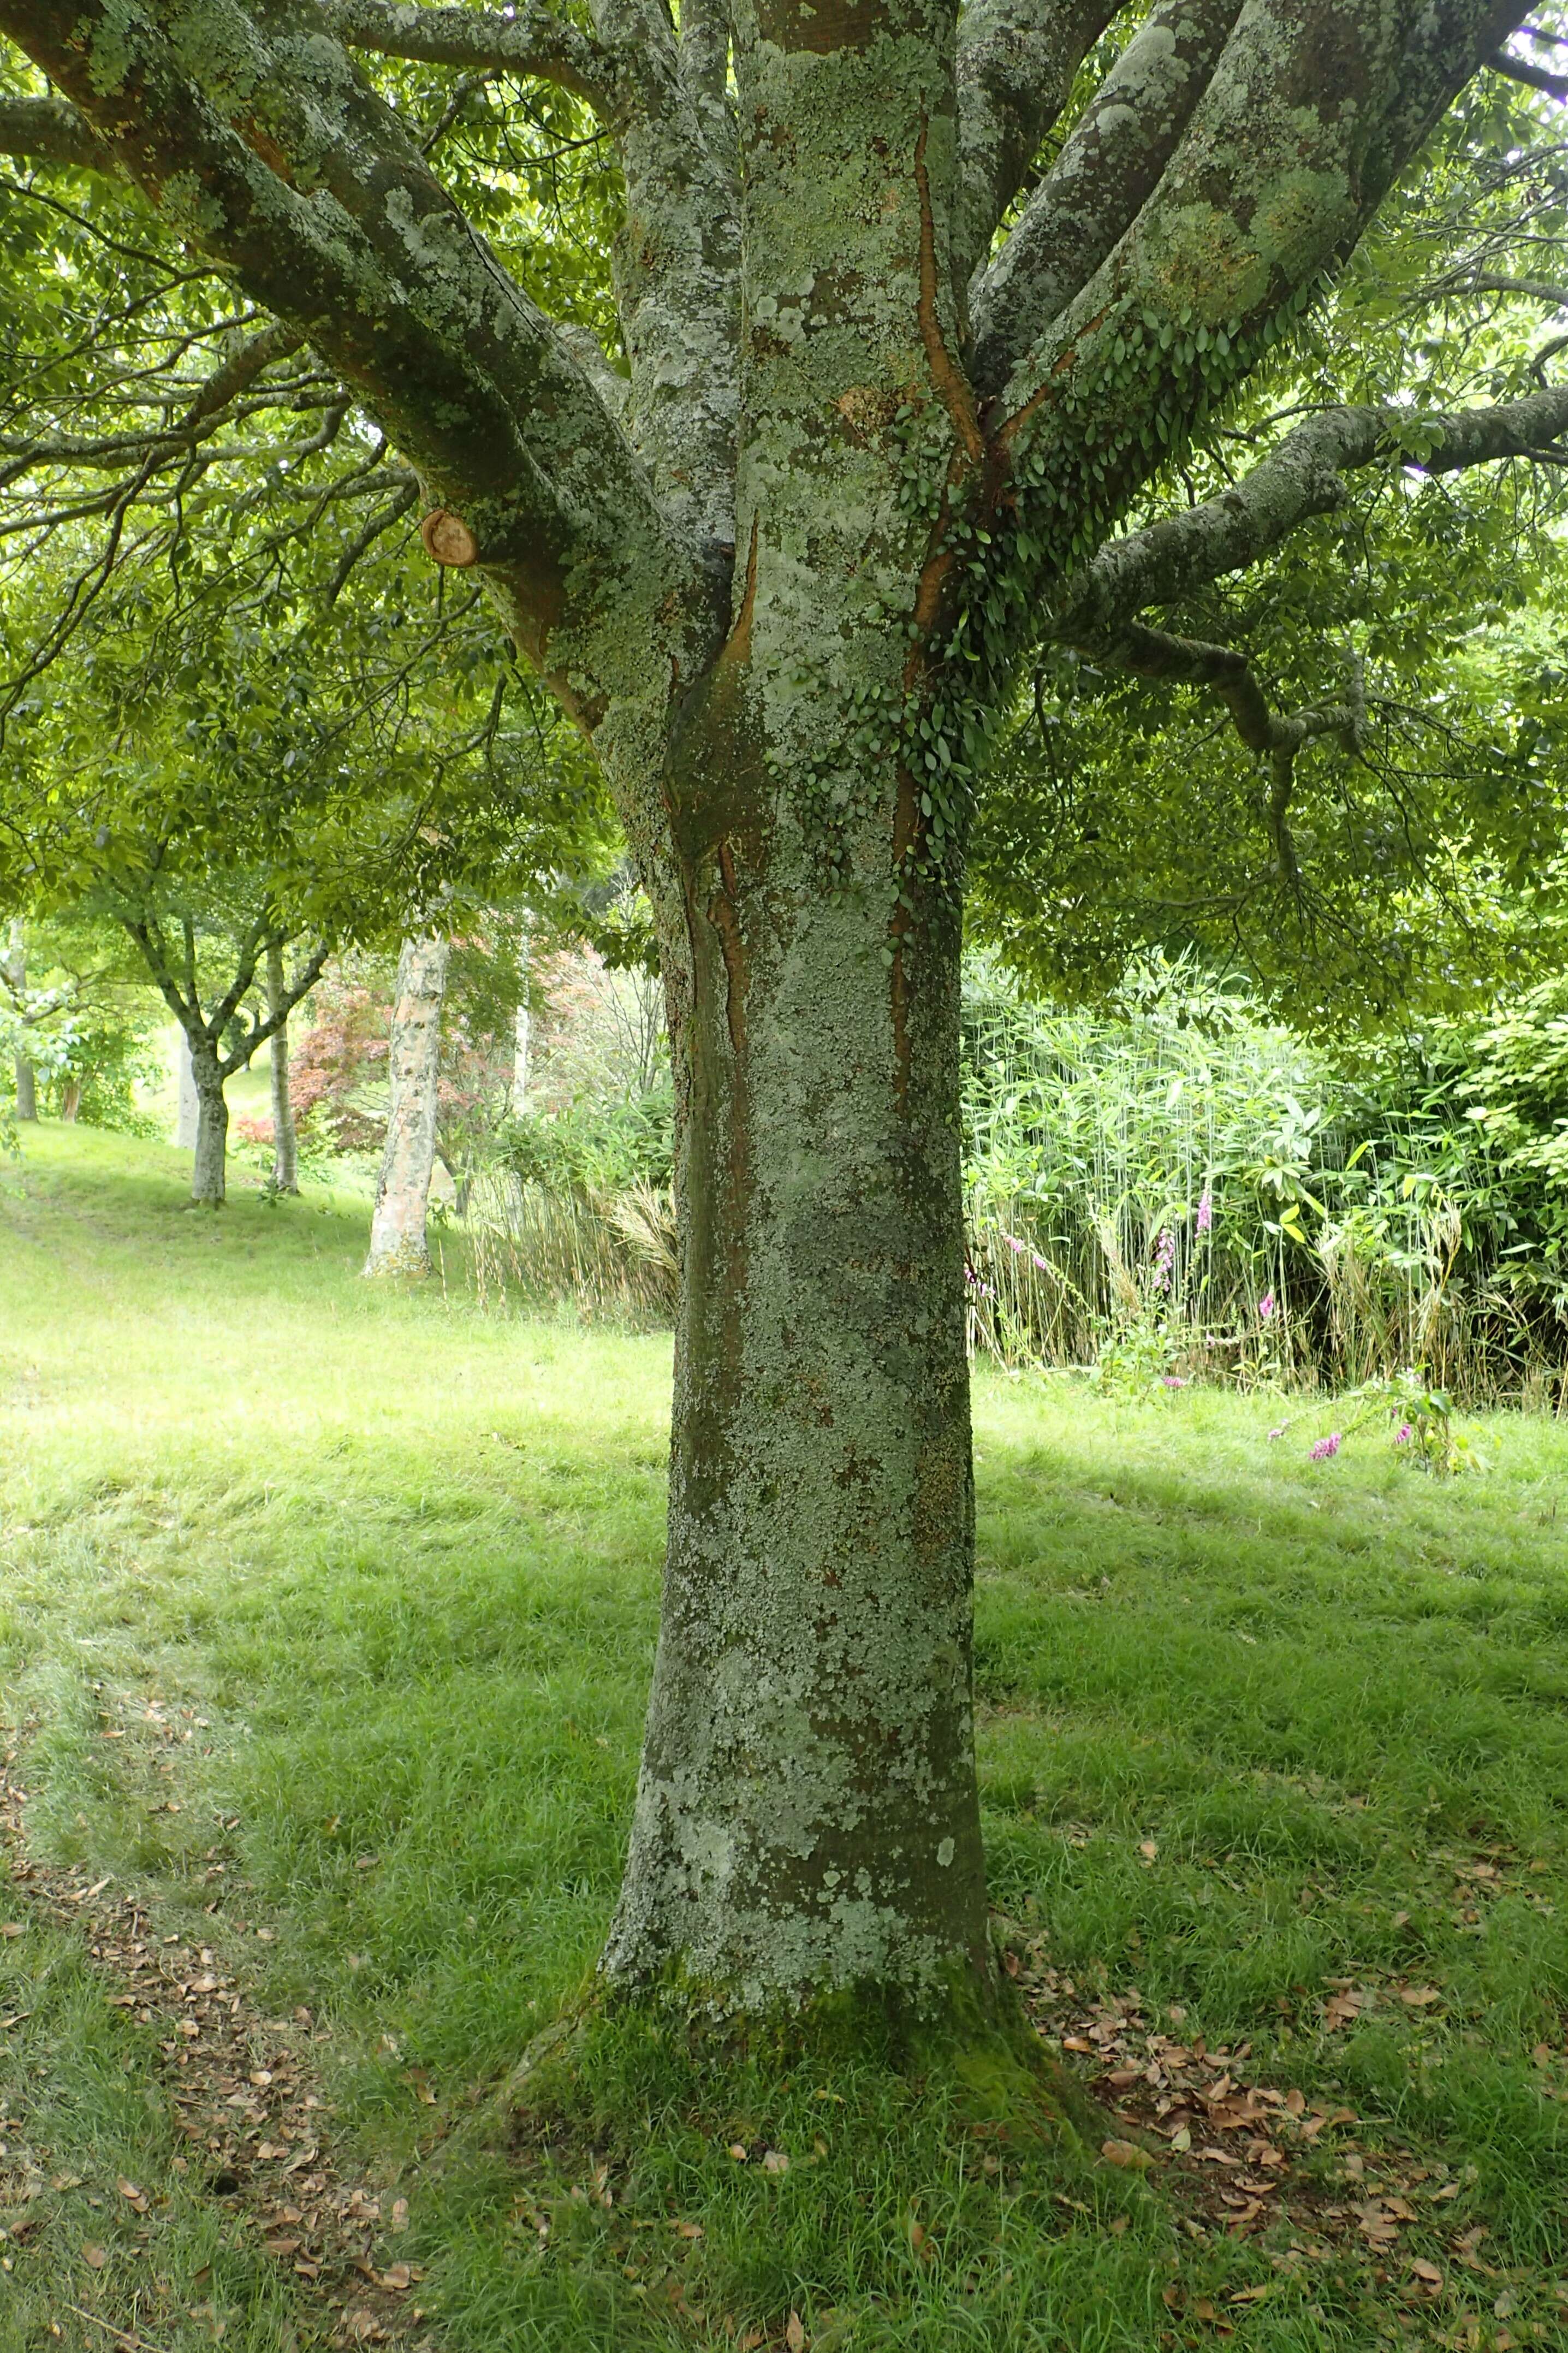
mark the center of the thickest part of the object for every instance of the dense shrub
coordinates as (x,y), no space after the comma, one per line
(1188,1185)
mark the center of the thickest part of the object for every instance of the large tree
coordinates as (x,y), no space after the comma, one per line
(901,364)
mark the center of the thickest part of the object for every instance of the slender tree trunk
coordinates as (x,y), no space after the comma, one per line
(209,1169)
(285,1146)
(70,1100)
(187,1118)
(521,1038)
(16,971)
(397,1243)
(807,1815)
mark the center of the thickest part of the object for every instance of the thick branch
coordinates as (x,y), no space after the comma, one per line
(332,220)
(1105,173)
(49,132)
(1533,76)
(1304,477)
(1016,59)
(1309,114)
(530,41)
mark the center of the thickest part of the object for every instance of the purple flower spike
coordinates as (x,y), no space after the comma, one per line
(1266,1305)
(1043,1264)
(1325,1449)
(1276,1433)
(1013,1244)
(1206,1211)
(1403,1435)
(1172,1381)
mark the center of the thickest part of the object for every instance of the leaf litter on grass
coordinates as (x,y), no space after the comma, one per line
(1304,2178)
(247,2101)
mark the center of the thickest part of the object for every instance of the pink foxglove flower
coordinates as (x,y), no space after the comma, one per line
(1326,1448)
(1206,1211)
(1266,1305)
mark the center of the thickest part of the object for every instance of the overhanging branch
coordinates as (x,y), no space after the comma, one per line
(1305,476)
(48,131)
(1533,76)
(1275,736)
(529,41)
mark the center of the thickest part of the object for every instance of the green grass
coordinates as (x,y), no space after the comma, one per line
(402,1561)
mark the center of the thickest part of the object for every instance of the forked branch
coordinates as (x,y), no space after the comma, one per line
(1016,59)
(1274,736)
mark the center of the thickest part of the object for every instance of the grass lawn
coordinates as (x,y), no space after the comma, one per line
(326,1615)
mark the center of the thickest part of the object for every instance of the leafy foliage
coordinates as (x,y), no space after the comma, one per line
(1185,1187)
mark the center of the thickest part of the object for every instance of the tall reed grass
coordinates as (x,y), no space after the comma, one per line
(1179,1188)
(614,1255)
(1187,1189)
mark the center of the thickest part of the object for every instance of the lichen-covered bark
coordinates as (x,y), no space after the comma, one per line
(397,1237)
(209,1168)
(187,1111)
(807,1815)
(1099,183)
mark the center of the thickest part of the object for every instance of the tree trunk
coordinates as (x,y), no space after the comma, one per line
(520,1038)
(285,1146)
(70,1100)
(397,1243)
(209,1169)
(807,1817)
(16,974)
(187,1118)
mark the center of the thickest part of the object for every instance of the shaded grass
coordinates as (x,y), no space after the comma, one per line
(384,1573)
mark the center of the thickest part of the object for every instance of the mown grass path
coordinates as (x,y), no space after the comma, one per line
(325,1622)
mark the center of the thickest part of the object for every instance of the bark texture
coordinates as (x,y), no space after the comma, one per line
(397,1239)
(284,1145)
(807,1813)
(209,1168)
(869,450)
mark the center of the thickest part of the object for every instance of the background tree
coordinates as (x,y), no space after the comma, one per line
(397,1239)
(230,769)
(916,317)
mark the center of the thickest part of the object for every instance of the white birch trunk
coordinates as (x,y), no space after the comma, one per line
(397,1242)
(285,1147)
(521,1039)
(188,1118)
